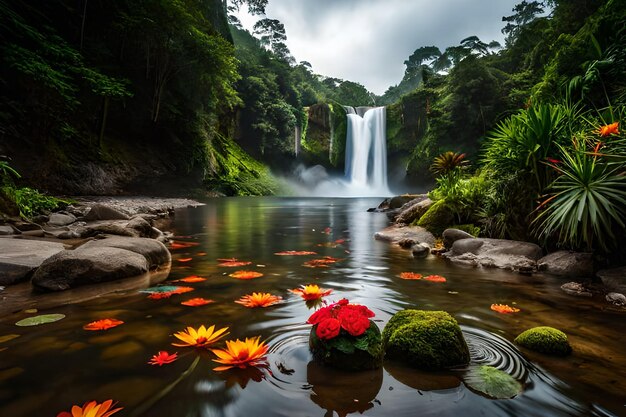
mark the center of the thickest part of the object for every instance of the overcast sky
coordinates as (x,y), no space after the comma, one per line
(367,41)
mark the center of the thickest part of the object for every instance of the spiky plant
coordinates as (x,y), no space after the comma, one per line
(447,162)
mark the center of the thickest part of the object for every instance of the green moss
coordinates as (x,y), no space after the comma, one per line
(339,121)
(546,340)
(492,382)
(427,340)
(437,218)
(349,352)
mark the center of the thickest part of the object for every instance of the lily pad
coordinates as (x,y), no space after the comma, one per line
(492,382)
(42,319)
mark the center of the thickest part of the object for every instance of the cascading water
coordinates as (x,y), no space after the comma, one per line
(366,151)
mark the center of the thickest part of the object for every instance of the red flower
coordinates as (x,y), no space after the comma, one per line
(353,321)
(611,129)
(435,278)
(554,161)
(163,358)
(197,302)
(328,328)
(191,278)
(410,275)
(321,314)
(343,302)
(103,324)
(295,253)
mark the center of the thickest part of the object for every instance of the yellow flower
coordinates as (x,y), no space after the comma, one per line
(311,292)
(240,354)
(202,337)
(259,299)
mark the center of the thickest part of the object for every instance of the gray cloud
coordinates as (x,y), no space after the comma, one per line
(368,40)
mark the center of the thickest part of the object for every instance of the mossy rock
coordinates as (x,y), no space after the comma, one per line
(352,353)
(492,382)
(437,218)
(546,340)
(469,228)
(430,340)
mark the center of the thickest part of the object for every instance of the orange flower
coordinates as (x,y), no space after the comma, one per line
(234,263)
(191,278)
(182,245)
(241,354)
(504,309)
(611,129)
(103,324)
(295,253)
(311,292)
(163,358)
(184,259)
(321,263)
(257,299)
(196,302)
(410,275)
(435,278)
(202,337)
(245,274)
(91,409)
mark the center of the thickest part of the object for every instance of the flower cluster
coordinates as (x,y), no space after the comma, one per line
(330,320)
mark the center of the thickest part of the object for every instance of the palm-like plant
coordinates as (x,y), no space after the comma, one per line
(589,201)
(447,162)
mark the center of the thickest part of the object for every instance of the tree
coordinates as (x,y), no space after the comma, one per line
(272,35)
(525,12)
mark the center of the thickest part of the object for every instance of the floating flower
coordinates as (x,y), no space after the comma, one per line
(410,275)
(241,354)
(321,263)
(184,259)
(611,129)
(435,278)
(295,253)
(202,337)
(163,358)
(258,299)
(234,263)
(504,309)
(311,292)
(103,324)
(245,274)
(197,302)
(201,253)
(182,245)
(91,409)
(160,295)
(191,279)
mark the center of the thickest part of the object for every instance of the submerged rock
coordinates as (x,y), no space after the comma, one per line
(546,340)
(616,299)
(429,340)
(577,289)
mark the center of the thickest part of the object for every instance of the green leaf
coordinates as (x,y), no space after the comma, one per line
(342,344)
(42,319)
(492,382)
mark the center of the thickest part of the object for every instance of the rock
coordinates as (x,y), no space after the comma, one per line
(6,230)
(566,263)
(154,251)
(141,226)
(34,233)
(395,234)
(20,257)
(577,289)
(116,227)
(414,211)
(396,202)
(103,212)
(613,279)
(40,219)
(429,340)
(421,250)
(342,352)
(72,268)
(406,243)
(616,298)
(546,340)
(60,219)
(26,226)
(452,235)
(495,253)
(438,217)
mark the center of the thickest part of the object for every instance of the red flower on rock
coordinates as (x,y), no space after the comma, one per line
(328,328)
(353,321)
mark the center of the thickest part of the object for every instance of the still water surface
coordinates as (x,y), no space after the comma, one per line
(50,367)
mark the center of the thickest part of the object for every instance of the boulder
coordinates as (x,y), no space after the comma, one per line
(577,289)
(452,235)
(103,212)
(73,268)
(141,226)
(421,250)
(567,264)
(613,279)
(546,340)
(154,251)
(20,257)
(495,253)
(414,211)
(429,340)
(395,234)
(437,218)
(6,230)
(616,298)
(60,219)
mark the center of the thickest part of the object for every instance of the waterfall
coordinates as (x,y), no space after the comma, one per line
(366,150)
